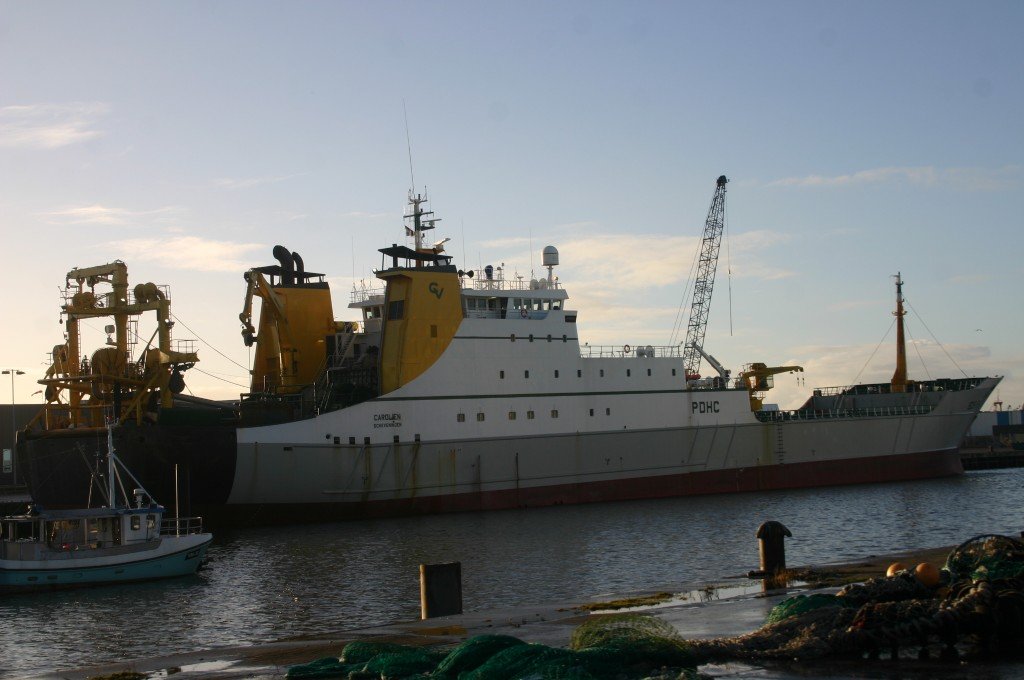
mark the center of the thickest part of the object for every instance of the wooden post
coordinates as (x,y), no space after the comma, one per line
(440,589)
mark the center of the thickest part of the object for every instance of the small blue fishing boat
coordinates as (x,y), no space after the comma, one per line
(128,539)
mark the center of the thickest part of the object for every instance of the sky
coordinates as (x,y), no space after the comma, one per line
(860,140)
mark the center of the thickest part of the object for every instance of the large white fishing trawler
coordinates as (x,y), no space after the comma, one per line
(456,390)
(462,392)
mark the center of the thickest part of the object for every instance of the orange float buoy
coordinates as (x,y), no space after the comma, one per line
(895,568)
(927,574)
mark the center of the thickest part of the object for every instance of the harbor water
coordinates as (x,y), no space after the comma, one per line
(266,584)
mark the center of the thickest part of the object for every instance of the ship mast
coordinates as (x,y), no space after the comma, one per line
(705,282)
(420,225)
(899,378)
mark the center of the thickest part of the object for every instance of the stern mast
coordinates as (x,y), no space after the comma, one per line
(899,377)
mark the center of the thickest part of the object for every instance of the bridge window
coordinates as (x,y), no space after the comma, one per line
(396,310)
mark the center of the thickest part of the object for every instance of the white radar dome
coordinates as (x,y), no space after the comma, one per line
(550,256)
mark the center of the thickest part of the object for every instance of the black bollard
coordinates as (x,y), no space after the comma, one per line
(771,538)
(440,589)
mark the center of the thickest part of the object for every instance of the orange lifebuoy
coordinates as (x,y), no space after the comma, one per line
(523,313)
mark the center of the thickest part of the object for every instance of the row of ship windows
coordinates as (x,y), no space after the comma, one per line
(579,373)
(512,337)
(512,415)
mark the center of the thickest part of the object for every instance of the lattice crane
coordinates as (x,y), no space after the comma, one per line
(705,282)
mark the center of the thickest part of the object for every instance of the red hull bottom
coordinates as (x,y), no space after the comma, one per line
(762,478)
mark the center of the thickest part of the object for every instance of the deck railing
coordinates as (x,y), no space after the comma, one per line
(171,526)
(638,351)
(819,414)
(941,385)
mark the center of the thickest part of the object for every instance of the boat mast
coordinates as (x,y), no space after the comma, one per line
(899,378)
(705,282)
(110,466)
(419,225)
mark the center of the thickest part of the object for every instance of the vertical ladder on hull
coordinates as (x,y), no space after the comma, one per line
(780,446)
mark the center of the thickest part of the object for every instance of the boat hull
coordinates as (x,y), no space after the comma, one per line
(178,556)
(303,471)
(865,470)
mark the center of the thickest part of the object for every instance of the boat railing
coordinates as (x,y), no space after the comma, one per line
(510,284)
(177,526)
(588,351)
(940,385)
(820,414)
(360,294)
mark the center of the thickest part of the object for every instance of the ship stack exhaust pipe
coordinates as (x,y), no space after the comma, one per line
(284,256)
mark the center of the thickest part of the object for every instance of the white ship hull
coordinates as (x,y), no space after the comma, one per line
(489,425)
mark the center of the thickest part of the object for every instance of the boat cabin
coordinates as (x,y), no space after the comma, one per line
(41,534)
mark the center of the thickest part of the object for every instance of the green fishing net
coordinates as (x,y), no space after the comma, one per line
(616,647)
(801,604)
(988,557)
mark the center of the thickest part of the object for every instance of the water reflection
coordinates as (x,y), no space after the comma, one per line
(265,584)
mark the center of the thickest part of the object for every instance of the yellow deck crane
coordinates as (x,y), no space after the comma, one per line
(758,378)
(83,392)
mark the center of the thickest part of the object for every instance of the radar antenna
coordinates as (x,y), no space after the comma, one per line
(705,282)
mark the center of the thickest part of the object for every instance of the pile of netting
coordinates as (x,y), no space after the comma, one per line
(974,605)
(603,648)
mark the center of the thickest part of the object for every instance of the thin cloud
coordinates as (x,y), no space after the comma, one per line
(363,215)
(188,252)
(971,279)
(249,182)
(966,179)
(50,126)
(99,214)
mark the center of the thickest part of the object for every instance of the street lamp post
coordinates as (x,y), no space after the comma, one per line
(14,424)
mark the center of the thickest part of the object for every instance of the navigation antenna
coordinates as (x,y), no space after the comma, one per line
(408,146)
(705,282)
